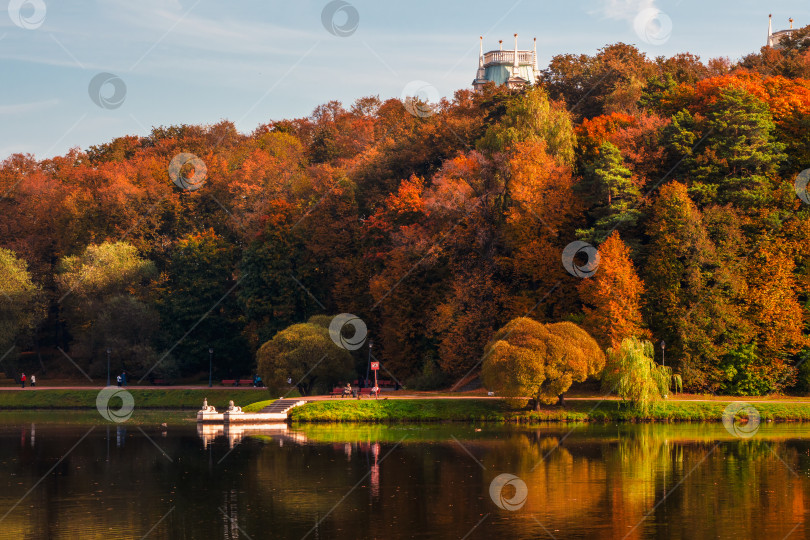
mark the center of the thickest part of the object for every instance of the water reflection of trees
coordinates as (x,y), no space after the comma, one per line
(589,481)
(647,482)
(594,482)
(109,469)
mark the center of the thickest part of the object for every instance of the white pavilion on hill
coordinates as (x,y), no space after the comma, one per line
(775,38)
(513,68)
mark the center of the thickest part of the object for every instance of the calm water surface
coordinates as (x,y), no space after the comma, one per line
(71,477)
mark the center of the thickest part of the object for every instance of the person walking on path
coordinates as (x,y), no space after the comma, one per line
(22,380)
(33,380)
(118,380)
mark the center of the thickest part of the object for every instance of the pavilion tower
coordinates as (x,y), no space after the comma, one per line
(513,68)
(775,38)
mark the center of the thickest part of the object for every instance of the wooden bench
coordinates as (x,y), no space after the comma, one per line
(235,382)
(340,391)
(368,393)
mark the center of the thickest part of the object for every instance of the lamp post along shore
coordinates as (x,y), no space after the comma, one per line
(210,366)
(368,365)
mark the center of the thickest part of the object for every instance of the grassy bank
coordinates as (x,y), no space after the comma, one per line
(404,410)
(151,398)
(258,406)
(437,410)
(398,410)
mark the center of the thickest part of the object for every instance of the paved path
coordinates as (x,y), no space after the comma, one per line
(722,399)
(129,387)
(398,395)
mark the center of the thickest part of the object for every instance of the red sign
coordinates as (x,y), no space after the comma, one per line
(375,366)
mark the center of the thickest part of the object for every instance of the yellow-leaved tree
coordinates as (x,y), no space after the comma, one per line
(306,355)
(528,360)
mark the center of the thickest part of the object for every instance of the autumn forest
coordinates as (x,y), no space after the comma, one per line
(436,228)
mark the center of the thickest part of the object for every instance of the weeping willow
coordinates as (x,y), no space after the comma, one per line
(633,375)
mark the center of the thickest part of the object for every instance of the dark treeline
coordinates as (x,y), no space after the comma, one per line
(437,229)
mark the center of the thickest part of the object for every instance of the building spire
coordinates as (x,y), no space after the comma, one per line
(770,30)
(481,74)
(515,65)
(536,69)
(500,43)
(791,23)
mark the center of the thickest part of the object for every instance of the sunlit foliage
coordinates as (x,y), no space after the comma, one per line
(439,230)
(528,359)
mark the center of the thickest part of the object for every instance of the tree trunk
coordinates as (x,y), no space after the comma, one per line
(561,400)
(39,353)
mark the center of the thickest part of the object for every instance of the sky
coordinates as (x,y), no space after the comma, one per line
(79,73)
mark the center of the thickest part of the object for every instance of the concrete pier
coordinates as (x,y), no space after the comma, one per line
(275,412)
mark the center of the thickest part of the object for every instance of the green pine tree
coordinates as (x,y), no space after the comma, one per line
(730,155)
(612,196)
(692,292)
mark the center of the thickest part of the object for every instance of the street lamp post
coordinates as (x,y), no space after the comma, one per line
(663,356)
(210,366)
(108,366)
(368,366)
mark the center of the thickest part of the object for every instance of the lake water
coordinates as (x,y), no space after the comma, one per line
(68,476)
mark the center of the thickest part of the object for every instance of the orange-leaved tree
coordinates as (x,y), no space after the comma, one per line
(612,296)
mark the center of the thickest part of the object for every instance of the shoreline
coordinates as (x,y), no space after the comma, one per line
(150,398)
(412,409)
(494,411)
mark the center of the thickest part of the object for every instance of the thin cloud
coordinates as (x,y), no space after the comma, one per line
(28,107)
(625,10)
